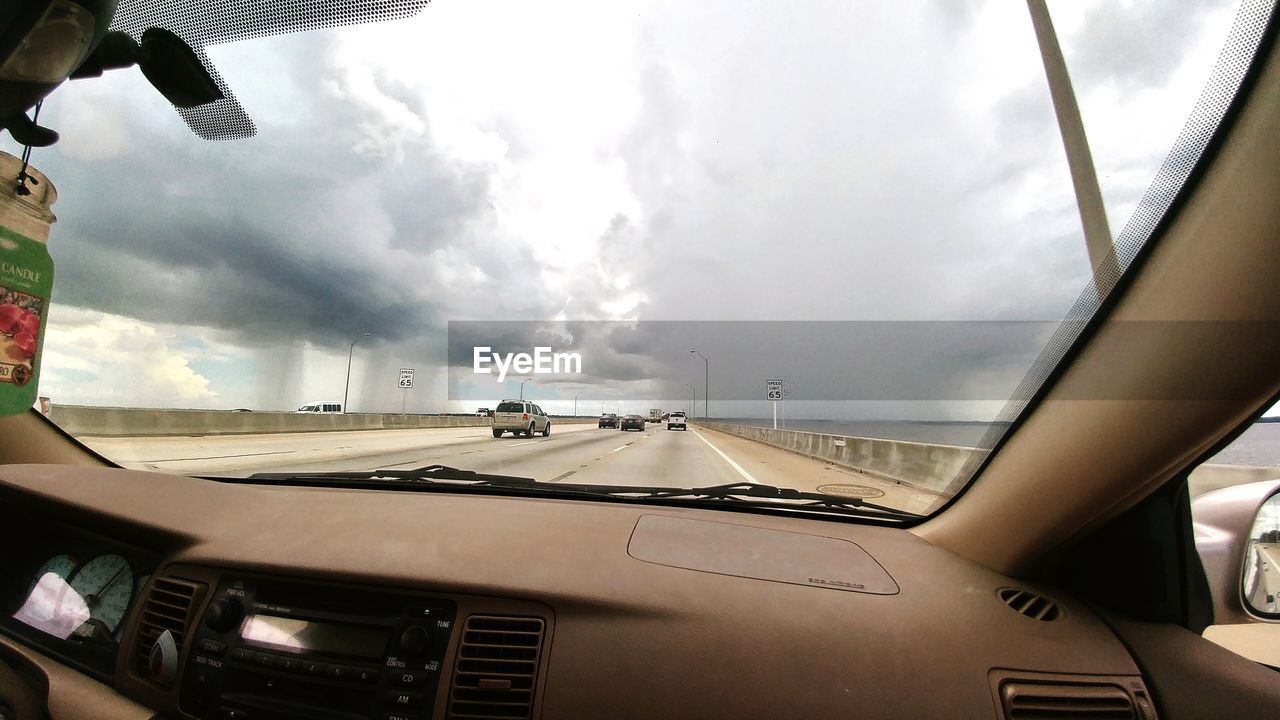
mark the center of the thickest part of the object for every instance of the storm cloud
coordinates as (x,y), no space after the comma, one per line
(602,168)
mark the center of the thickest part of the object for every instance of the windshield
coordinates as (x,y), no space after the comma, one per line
(845,241)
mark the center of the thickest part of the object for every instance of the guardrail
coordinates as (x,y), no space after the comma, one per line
(931,466)
(114,422)
(921,465)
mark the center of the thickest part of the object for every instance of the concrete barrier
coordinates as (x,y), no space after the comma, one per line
(119,422)
(921,465)
(931,467)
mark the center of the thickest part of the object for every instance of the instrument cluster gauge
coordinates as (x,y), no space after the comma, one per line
(61,566)
(106,585)
(51,605)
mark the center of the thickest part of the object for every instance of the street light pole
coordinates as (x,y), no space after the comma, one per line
(693,399)
(346,389)
(706,383)
(575,404)
(1084,176)
(522,387)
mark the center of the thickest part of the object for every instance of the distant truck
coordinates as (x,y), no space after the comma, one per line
(655,415)
(321,406)
(676,420)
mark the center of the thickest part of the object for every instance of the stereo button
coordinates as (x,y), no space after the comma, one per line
(340,672)
(264,659)
(289,664)
(413,641)
(404,699)
(409,679)
(399,716)
(212,647)
(366,675)
(314,668)
(242,655)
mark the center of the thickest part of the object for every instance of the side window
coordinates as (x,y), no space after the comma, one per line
(331,408)
(1235,508)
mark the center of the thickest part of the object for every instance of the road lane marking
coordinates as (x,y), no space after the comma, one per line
(624,447)
(746,475)
(527,442)
(220,457)
(562,476)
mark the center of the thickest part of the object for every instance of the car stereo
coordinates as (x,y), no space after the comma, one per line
(271,649)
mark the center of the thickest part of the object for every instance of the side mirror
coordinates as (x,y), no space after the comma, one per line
(1236,537)
(1260,578)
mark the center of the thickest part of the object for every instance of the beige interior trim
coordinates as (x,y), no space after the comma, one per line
(1073,463)
(73,694)
(30,438)
(1259,642)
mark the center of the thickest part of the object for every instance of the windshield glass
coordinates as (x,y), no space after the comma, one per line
(843,240)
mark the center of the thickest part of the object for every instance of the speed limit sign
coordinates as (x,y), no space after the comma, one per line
(773,389)
(406,377)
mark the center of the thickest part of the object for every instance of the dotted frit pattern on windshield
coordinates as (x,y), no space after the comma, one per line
(211,22)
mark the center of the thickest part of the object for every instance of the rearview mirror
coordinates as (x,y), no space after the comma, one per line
(1260,578)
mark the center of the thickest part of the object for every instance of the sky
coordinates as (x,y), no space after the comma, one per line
(585,162)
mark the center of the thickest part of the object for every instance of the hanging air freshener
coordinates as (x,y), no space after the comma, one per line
(26,280)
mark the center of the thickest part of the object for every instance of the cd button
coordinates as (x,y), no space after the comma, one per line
(264,659)
(340,672)
(366,675)
(242,655)
(314,668)
(404,699)
(409,679)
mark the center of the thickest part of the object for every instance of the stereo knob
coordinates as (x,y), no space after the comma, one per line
(223,614)
(413,641)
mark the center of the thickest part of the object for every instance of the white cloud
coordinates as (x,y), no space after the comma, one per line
(93,358)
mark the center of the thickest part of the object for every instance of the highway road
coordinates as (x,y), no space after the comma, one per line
(572,454)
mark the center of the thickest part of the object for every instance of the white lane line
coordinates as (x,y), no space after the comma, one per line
(527,442)
(745,475)
(624,447)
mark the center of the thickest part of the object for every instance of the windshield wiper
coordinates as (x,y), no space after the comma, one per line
(427,473)
(445,478)
(753,492)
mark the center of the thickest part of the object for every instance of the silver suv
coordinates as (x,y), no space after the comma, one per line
(520,417)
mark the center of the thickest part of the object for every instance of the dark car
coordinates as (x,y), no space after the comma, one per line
(609,420)
(632,422)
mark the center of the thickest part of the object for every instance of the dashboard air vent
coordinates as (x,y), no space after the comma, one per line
(1054,701)
(1037,607)
(170,606)
(497,667)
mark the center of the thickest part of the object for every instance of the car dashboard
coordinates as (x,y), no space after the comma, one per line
(140,595)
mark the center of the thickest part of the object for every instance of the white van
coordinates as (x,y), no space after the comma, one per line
(325,406)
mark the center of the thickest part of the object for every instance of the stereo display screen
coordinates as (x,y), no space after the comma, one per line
(364,641)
